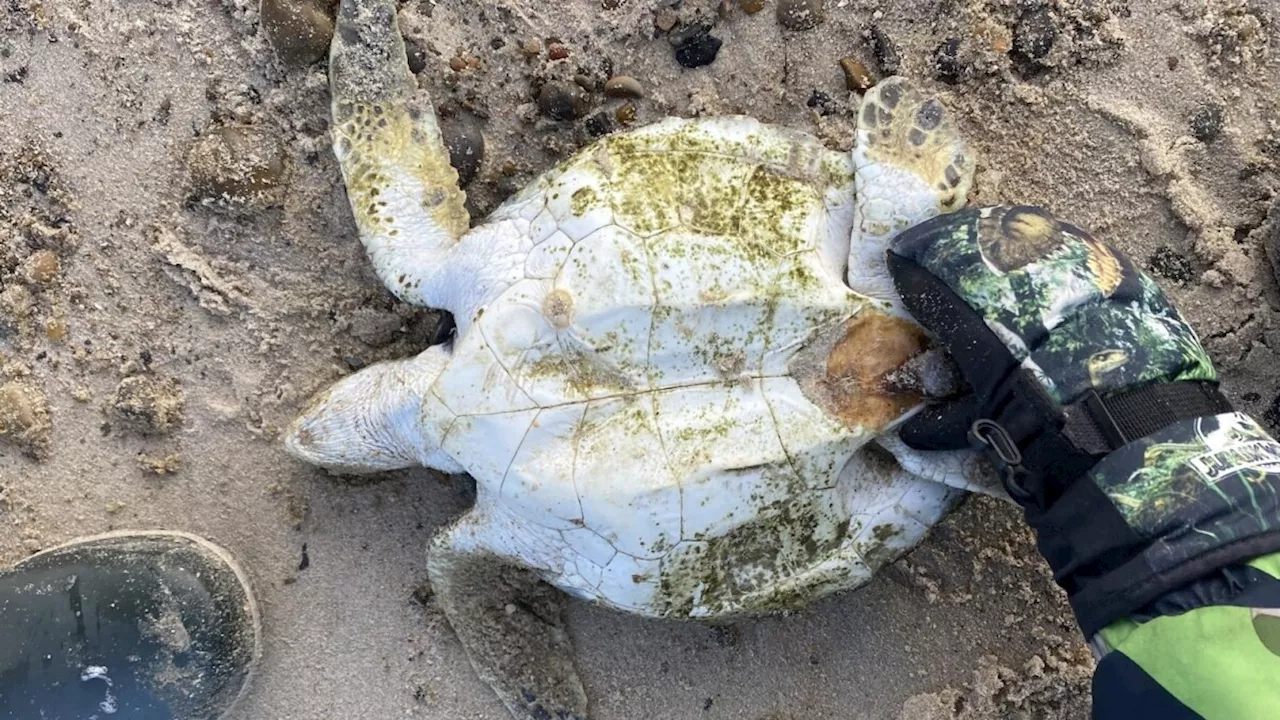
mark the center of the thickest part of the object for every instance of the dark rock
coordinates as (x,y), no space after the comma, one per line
(466,148)
(698,50)
(1168,263)
(236,162)
(885,50)
(821,102)
(801,14)
(299,30)
(946,62)
(1034,34)
(599,124)
(1206,122)
(417,55)
(563,101)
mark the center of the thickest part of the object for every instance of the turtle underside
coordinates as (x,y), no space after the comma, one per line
(659,412)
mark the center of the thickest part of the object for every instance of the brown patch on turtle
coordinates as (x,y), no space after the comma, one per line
(846,370)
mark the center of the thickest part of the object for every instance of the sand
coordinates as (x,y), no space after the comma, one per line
(153,343)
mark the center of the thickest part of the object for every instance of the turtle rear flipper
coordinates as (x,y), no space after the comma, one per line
(511,624)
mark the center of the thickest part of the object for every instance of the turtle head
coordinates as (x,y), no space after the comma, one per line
(374,420)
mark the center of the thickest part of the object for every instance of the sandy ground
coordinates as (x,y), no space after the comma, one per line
(154,342)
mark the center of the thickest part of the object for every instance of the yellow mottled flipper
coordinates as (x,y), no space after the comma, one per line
(404,193)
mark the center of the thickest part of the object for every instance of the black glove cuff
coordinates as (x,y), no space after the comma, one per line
(1133,585)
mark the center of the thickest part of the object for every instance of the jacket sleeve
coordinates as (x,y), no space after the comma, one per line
(1211,648)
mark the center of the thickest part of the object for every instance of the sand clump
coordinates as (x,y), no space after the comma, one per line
(149,405)
(24,417)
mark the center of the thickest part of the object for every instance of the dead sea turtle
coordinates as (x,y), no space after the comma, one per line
(669,373)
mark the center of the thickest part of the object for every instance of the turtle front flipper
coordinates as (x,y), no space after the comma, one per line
(510,622)
(404,193)
(910,165)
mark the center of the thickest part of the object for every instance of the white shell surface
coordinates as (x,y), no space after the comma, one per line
(631,398)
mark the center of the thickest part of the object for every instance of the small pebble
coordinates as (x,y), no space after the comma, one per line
(457,64)
(821,102)
(611,4)
(299,30)
(531,47)
(236,162)
(1206,122)
(563,101)
(1034,34)
(599,124)
(885,50)
(557,51)
(623,86)
(856,76)
(665,18)
(417,55)
(41,268)
(1171,62)
(751,7)
(626,114)
(466,148)
(698,50)
(800,14)
(946,61)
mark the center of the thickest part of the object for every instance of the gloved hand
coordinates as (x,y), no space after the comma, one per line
(1096,401)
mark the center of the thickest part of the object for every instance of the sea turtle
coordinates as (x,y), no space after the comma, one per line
(671,400)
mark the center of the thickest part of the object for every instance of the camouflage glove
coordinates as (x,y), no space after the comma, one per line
(1097,402)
